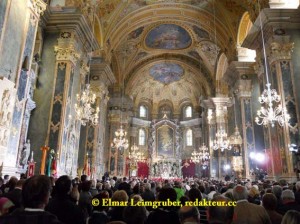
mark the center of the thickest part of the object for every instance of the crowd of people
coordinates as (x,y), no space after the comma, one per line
(42,200)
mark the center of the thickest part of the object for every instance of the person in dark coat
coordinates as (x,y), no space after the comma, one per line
(99,215)
(15,195)
(35,196)
(62,206)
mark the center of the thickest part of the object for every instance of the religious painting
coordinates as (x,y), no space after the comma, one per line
(168,36)
(200,32)
(166,73)
(136,33)
(165,141)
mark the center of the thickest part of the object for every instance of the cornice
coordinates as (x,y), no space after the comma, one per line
(238,70)
(272,19)
(191,123)
(101,71)
(71,20)
(140,122)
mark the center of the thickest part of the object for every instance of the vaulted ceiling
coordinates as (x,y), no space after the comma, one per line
(169,49)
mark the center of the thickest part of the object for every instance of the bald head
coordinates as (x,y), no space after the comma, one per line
(189,214)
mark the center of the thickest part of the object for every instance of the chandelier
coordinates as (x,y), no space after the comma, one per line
(204,153)
(202,156)
(221,142)
(235,138)
(273,111)
(195,158)
(135,155)
(120,140)
(84,108)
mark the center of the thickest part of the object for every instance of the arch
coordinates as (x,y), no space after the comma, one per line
(98,31)
(221,67)
(142,137)
(143,111)
(244,28)
(188,111)
(165,107)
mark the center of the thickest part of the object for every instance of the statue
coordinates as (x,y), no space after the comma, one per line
(25,153)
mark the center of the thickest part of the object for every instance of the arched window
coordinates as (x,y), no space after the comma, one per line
(142,137)
(188,112)
(189,137)
(143,111)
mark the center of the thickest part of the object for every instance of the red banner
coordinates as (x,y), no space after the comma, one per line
(30,170)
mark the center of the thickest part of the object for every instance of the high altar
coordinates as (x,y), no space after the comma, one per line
(165,149)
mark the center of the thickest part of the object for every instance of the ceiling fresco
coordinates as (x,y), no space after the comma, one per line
(166,72)
(155,44)
(168,36)
(201,33)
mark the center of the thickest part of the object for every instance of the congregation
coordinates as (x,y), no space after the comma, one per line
(42,200)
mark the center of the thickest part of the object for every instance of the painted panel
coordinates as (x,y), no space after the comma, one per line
(166,73)
(168,36)
(200,32)
(165,141)
(57,105)
(136,33)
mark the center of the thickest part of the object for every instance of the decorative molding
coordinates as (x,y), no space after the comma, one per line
(37,6)
(244,88)
(66,49)
(191,123)
(280,51)
(140,122)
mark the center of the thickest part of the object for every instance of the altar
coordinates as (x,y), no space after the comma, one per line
(165,149)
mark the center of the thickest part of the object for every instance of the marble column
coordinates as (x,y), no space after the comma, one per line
(244,93)
(60,127)
(282,75)
(241,77)
(101,77)
(210,122)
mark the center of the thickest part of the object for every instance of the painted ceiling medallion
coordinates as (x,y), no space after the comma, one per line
(166,73)
(168,36)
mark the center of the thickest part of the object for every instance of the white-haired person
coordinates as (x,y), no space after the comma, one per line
(246,212)
(288,202)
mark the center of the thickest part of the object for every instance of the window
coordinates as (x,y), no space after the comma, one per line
(143,111)
(188,111)
(189,138)
(142,137)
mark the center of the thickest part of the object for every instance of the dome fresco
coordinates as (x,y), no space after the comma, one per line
(166,72)
(168,36)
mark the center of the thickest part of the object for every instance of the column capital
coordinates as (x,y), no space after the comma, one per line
(274,21)
(238,70)
(66,48)
(244,88)
(221,105)
(101,71)
(280,49)
(37,6)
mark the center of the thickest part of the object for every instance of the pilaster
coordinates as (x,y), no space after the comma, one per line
(283,79)
(60,127)
(33,13)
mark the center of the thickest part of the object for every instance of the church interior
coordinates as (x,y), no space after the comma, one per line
(150,88)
